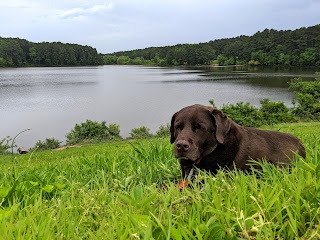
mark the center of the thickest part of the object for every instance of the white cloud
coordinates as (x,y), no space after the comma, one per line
(86,11)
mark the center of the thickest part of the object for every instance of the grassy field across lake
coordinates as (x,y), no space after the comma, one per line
(129,190)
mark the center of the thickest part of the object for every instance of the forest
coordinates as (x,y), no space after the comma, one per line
(270,47)
(15,52)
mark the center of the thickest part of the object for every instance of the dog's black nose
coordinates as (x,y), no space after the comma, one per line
(183,145)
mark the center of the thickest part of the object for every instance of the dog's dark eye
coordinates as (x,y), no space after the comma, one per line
(197,126)
(178,127)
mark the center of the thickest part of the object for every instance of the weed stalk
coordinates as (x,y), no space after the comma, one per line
(13,157)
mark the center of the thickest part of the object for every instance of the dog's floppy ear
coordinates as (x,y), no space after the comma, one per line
(222,123)
(172,137)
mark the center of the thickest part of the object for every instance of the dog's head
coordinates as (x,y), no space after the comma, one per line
(197,130)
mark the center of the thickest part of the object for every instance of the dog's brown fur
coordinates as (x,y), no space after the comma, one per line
(208,138)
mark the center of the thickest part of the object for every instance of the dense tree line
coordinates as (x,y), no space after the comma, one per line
(300,47)
(15,52)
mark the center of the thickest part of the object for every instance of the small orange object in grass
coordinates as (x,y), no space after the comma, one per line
(182,184)
(186,182)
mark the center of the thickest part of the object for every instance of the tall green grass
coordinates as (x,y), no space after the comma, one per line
(128,190)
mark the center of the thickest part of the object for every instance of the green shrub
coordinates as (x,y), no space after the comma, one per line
(275,112)
(140,133)
(123,60)
(247,115)
(163,131)
(114,130)
(243,114)
(92,132)
(5,145)
(212,103)
(47,144)
(308,96)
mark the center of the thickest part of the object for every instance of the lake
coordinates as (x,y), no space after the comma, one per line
(51,101)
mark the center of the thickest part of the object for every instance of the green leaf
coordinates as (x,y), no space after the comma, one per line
(202,228)
(142,220)
(128,180)
(137,194)
(175,234)
(48,188)
(147,200)
(4,191)
(59,185)
(215,231)
(127,199)
(8,212)
(34,183)
(318,195)
(318,171)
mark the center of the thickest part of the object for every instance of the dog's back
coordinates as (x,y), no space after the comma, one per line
(272,146)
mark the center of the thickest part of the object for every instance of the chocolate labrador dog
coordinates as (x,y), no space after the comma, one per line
(207,138)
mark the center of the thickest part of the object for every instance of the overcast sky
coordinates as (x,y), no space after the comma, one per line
(116,25)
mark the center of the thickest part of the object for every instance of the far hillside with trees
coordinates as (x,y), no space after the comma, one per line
(270,47)
(16,52)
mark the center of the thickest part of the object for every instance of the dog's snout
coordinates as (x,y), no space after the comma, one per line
(183,145)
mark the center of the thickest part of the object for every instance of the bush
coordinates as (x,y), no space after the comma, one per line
(243,114)
(163,131)
(123,60)
(275,112)
(141,132)
(247,115)
(47,144)
(308,96)
(212,103)
(114,130)
(5,145)
(92,132)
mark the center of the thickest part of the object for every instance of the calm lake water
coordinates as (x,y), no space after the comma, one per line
(51,101)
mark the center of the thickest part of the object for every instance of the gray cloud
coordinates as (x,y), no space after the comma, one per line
(129,24)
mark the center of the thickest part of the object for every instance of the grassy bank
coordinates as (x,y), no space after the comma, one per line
(128,190)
